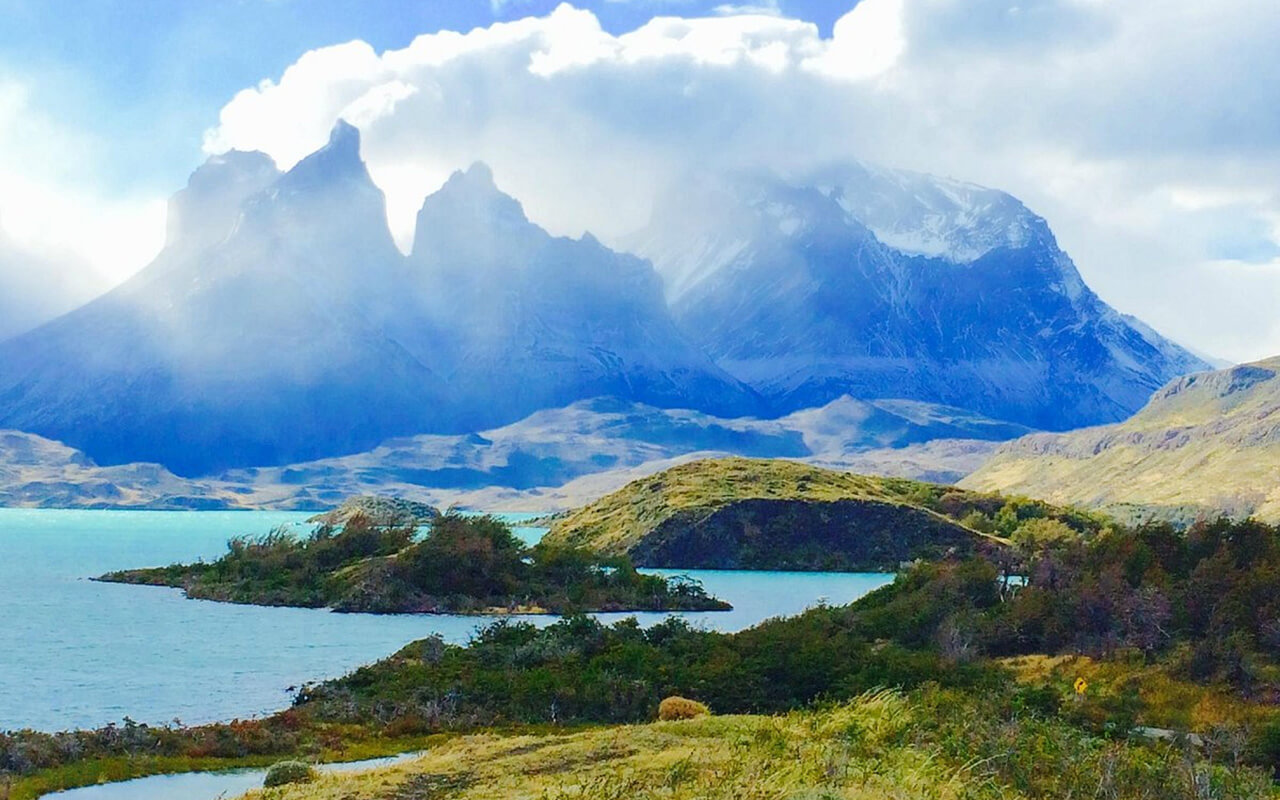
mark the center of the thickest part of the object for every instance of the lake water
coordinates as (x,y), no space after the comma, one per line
(76,654)
(205,785)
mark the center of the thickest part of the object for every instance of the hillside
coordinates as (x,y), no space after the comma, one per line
(737,513)
(1205,444)
(554,459)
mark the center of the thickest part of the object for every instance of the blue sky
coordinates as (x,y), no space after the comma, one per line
(1144,131)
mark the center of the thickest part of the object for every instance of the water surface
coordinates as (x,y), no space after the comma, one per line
(76,654)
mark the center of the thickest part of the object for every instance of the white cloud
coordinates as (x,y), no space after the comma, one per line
(1134,127)
(84,239)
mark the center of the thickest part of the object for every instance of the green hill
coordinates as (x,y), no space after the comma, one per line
(1205,444)
(738,513)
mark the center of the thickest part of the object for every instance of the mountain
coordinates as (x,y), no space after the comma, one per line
(545,320)
(553,459)
(281,324)
(253,338)
(1205,444)
(879,283)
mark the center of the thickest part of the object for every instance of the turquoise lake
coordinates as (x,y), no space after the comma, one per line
(75,653)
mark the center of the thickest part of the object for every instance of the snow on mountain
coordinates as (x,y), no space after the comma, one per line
(974,306)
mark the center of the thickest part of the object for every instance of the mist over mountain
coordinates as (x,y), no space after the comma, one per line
(281,324)
(549,320)
(248,340)
(878,283)
(33,290)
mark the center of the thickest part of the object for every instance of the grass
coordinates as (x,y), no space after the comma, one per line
(1201,451)
(881,745)
(617,522)
(1167,700)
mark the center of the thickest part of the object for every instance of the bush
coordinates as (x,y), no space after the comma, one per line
(289,772)
(673,708)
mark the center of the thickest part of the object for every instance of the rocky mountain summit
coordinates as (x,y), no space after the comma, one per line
(880,283)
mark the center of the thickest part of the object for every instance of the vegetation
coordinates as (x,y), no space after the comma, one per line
(463,565)
(927,744)
(771,514)
(284,772)
(1190,614)
(673,708)
(1078,661)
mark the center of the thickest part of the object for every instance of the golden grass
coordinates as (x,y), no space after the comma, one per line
(1168,701)
(801,755)
(1193,452)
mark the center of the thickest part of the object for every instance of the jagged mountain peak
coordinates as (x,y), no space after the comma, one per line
(882,283)
(927,215)
(470,217)
(206,210)
(337,162)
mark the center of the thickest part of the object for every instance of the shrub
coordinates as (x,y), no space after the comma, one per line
(289,772)
(673,708)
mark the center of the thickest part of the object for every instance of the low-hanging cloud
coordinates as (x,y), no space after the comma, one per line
(1130,126)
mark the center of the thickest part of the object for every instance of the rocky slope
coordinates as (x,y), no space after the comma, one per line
(877,283)
(1205,444)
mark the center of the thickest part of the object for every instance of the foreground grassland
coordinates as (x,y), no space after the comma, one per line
(881,745)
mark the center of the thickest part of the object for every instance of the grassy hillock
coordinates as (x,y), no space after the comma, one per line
(929,744)
(463,565)
(1204,445)
(772,514)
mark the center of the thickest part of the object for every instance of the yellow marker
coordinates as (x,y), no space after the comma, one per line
(1082,686)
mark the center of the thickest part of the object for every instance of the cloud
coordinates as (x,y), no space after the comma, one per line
(1104,117)
(769,8)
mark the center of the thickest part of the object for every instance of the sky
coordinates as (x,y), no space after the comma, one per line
(1145,131)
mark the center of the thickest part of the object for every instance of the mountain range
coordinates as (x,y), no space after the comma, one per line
(1205,444)
(879,283)
(280,324)
(553,459)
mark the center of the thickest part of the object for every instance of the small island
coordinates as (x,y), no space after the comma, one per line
(462,565)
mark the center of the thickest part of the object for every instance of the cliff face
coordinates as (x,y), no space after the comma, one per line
(281,324)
